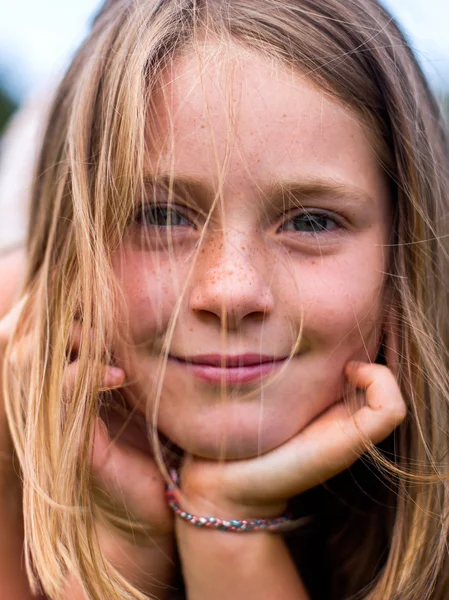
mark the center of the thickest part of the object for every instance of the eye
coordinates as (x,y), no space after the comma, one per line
(310,223)
(162,216)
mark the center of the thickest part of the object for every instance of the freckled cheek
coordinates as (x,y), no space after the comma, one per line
(340,308)
(151,295)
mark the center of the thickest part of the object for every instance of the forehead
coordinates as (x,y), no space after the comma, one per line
(229,114)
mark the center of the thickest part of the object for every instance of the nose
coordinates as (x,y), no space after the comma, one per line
(232,280)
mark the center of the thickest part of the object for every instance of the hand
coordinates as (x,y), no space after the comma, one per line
(123,471)
(122,462)
(261,487)
(136,526)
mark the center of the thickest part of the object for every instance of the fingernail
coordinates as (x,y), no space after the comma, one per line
(354,364)
(115,374)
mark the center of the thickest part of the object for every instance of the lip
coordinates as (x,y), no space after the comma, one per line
(230,369)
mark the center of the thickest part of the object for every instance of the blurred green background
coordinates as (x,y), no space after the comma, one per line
(7,106)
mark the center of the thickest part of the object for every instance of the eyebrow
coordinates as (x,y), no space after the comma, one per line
(318,188)
(170,181)
(306,188)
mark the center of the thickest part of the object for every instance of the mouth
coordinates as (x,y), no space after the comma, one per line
(229,369)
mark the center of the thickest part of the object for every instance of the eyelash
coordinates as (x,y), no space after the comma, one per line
(172,213)
(164,217)
(309,217)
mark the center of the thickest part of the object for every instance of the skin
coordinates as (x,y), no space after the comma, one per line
(261,564)
(249,279)
(260,280)
(122,469)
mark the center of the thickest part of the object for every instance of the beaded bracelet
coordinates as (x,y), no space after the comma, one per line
(283,523)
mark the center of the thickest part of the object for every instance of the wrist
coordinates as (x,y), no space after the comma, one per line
(219,507)
(210,500)
(221,566)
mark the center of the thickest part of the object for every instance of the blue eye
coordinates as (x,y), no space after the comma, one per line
(162,217)
(310,223)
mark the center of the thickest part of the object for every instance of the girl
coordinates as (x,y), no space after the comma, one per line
(236,269)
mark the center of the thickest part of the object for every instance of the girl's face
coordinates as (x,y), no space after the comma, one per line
(277,229)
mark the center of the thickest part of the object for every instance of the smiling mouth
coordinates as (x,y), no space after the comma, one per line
(229,370)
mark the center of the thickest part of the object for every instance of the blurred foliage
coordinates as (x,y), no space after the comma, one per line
(7,107)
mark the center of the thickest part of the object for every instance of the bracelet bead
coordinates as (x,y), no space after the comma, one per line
(282,523)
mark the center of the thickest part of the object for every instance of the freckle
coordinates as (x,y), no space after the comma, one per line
(283,116)
(203,126)
(258,160)
(191,329)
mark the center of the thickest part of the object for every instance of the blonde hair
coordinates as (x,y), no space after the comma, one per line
(377,540)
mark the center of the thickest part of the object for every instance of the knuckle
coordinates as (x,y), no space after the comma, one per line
(401,410)
(384,373)
(397,410)
(386,381)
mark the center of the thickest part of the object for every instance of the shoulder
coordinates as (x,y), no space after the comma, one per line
(12,271)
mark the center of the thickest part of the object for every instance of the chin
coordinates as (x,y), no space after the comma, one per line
(227,445)
(228,452)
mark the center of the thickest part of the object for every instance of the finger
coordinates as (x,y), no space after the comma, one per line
(329,445)
(385,407)
(342,438)
(113,377)
(75,338)
(346,436)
